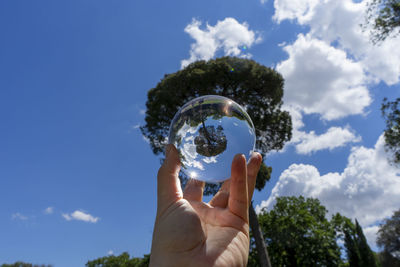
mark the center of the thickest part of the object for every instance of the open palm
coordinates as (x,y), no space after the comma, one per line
(189,232)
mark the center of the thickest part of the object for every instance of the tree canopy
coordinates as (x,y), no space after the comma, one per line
(358,251)
(384,17)
(257,88)
(391,113)
(24,264)
(122,260)
(298,233)
(389,236)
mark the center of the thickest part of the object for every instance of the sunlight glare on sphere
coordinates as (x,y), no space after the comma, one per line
(208,132)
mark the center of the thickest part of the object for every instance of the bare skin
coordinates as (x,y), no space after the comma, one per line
(189,232)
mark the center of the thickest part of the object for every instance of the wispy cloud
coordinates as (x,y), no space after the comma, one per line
(80,216)
(136,126)
(48,210)
(19,216)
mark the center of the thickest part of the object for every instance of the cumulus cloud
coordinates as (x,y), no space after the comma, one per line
(335,137)
(48,210)
(307,143)
(379,62)
(19,216)
(368,189)
(322,79)
(80,216)
(300,10)
(329,68)
(228,35)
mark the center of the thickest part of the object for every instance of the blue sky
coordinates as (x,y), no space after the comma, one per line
(77,180)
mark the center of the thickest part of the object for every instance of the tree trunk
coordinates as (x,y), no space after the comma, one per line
(260,243)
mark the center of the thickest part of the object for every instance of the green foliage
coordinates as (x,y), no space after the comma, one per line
(358,251)
(391,113)
(256,87)
(387,260)
(23,264)
(122,260)
(389,237)
(298,234)
(384,17)
(263,176)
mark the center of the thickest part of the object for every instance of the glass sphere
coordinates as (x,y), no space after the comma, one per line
(208,132)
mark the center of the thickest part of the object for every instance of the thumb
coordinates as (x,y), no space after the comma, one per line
(168,185)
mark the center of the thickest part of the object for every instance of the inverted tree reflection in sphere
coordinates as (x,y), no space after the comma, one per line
(208,132)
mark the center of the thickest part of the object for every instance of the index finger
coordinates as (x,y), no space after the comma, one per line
(168,185)
(238,197)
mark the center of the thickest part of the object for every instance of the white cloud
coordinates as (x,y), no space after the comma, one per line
(228,35)
(48,210)
(136,126)
(110,252)
(329,68)
(301,10)
(80,216)
(335,137)
(321,79)
(368,188)
(371,234)
(19,216)
(379,62)
(309,142)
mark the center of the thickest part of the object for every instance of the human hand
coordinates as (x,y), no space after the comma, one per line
(189,232)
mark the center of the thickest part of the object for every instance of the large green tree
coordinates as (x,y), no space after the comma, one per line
(298,234)
(384,17)
(254,86)
(389,236)
(358,251)
(123,260)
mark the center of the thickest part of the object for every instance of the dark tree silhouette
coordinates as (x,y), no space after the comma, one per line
(391,113)
(389,236)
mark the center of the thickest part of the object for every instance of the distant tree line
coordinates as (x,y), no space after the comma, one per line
(123,260)
(24,264)
(298,233)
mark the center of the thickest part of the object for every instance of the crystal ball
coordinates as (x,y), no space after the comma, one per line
(208,132)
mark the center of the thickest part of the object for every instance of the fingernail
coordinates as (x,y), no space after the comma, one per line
(257,156)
